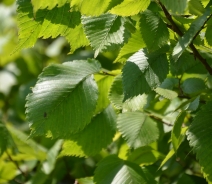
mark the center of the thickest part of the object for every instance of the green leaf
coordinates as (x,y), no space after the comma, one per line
(48,24)
(94,8)
(195,7)
(168,156)
(97,135)
(104,83)
(193,86)
(104,31)
(154,31)
(143,72)
(199,136)
(176,6)
(63,100)
(145,156)
(88,180)
(136,103)
(41,4)
(180,67)
(194,104)
(188,37)
(137,128)
(208,32)
(166,93)
(176,135)
(6,139)
(8,171)
(130,7)
(134,44)
(114,170)
(116,92)
(27,148)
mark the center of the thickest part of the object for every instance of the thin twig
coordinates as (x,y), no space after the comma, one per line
(16,164)
(176,29)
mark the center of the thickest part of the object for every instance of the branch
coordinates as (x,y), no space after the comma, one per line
(175,28)
(16,164)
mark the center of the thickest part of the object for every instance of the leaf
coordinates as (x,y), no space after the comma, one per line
(168,156)
(178,6)
(52,153)
(134,44)
(176,135)
(143,72)
(145,156)
(199,136)
(208,32)
(97,135)
(6,139)
(154,31)
(193,86)
(166,93)
(137,128)
(188,37)
(104,83)
(27,148)
(136,103)
(87,180)
(180,67)
(114,170)
(41,4)
(48,24)
(194,104)
(63,100)
(8,171)
(195,7)
(130,7)
(103,31)
(94,8)
(116,92)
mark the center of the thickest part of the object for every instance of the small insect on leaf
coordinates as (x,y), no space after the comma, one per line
(45,115)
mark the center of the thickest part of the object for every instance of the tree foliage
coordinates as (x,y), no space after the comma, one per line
(131,103)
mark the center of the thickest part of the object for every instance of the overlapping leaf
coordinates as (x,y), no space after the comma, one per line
(64,99)
(176,135)
(94,8)
(130,7)
(143,72)
(137,128)
(114,170)
(199,136)
(188,37)
(104,31)
(178,6)
(97,135)
(166,93)
(134,44)
(47,24)
(41,4)
(154,31)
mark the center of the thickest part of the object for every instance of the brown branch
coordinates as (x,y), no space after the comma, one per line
(16,164)
(175,28)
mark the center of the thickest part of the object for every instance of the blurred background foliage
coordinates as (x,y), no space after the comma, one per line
(35,161)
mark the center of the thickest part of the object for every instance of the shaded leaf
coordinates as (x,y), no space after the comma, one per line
(154,31)
(97,135)
(193,86)
(176,135)
(143,72)
(199,136)
(178,6)
(114,170)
